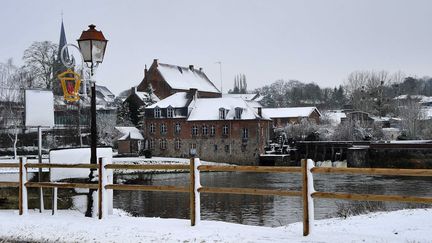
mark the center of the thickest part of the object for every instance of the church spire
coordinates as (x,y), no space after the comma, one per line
(62,41)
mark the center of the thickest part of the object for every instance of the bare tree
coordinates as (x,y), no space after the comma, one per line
(411,115)
(12,83)
(106,128)
(39,60)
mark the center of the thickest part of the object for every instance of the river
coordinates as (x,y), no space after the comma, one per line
(261,210)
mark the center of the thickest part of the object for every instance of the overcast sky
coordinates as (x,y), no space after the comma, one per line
(311,41)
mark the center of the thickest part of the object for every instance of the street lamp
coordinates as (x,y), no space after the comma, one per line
(92,44)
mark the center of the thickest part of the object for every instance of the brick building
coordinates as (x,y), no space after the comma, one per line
(220,129)
(292,115)
(165,79)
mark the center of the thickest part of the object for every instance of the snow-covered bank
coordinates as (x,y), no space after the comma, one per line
(412,225)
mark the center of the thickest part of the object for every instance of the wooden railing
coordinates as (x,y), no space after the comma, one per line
(194,188)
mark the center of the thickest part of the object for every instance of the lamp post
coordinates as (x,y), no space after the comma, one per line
(92,45)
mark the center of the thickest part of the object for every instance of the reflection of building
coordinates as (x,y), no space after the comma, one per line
(292,115)
(166,79)
(220,129)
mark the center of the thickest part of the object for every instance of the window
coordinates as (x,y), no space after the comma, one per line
(152,128)
(170,112)
(204,130)
(215,147)
(222,113)
(238,112)
(193,146)
(163,128)
(177,144)
(225,130)
(245,133)
(227,148)
(212,130)
(151,144)
(163,144)
(177,128)
(157,112)
(194,130)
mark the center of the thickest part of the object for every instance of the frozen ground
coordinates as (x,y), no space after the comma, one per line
(412,225)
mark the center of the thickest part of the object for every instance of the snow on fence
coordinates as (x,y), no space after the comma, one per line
(195,188)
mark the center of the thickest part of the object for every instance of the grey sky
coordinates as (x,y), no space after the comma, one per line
(319,41)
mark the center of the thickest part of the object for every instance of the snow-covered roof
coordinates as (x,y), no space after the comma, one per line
(104,91)
(290,112)
(335,116)
(253,96)
(176,100)
(129,133)
(184,78)
(420,98)
(208,109)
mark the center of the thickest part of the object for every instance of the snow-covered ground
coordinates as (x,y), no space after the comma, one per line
(413,225)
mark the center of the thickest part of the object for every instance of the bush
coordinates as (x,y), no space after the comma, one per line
(146,152)
(345,210)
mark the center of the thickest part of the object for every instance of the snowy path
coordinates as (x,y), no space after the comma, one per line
(72,226)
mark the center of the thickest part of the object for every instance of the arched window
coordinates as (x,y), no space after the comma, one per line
(194,130)
(157,112)
(204,130)
(170,112)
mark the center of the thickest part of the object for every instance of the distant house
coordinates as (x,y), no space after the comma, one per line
(292,115)
(360,117)
(166,79)
(220,129)
(130,140)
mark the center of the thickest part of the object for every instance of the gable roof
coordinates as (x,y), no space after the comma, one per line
(208,109)
(129,133)
(290,112)
(176,100)
(186,78)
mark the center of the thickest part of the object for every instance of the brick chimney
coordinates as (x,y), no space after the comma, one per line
(156,62)
(193,93)
(200,69)
(259,111)
(191,67)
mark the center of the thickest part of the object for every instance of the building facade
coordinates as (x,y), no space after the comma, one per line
(219,129)
(165,79)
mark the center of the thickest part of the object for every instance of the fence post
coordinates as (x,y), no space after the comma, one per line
(102,193)
(54,200)
(22,196)
(195,212)
(307,190)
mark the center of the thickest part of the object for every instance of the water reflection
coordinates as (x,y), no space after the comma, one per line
(260,210)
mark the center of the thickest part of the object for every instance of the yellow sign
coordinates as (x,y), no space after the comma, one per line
(70,82)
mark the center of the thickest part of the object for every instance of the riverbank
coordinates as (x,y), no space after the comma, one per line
(411,225)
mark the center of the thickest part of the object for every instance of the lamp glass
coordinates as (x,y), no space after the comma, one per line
(85,48)
(98,50)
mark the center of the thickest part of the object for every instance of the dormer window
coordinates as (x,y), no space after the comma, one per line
(170,112)
(222,113)
(157,112)
(238,113)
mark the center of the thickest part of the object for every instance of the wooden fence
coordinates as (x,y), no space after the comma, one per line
(307,193)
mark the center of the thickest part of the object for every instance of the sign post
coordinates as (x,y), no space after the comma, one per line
(39,112)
